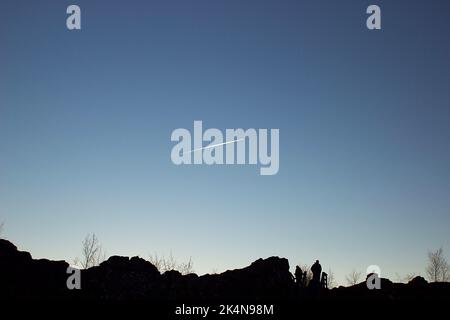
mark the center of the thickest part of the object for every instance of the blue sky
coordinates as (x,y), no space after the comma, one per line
(86,118)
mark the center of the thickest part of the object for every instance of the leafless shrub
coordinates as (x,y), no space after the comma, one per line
(353,277)
(163,264)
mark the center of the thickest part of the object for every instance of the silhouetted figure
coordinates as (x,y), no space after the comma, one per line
(304,278)
(324,280)
(298,276)
(316,270)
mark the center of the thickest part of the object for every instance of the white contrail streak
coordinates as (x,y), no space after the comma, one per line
(215,145)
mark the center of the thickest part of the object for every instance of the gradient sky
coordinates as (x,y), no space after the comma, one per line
(86,118)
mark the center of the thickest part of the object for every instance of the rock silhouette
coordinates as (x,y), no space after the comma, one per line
(135,279)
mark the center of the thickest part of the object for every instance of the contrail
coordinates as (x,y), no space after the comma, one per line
(215,145)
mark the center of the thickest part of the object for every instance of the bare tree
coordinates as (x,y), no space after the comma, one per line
(309,275)
(353,277)
(331,279)
(169,263)
(445,273)
(92,252)
(438,268)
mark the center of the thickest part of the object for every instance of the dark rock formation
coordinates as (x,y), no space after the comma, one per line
(418,282)
(21,277)
(135,279)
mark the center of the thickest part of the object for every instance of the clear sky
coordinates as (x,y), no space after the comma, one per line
(86,118)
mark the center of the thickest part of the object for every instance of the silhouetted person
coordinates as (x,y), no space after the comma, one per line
(298,276)
(316,270)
